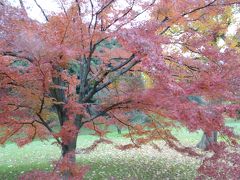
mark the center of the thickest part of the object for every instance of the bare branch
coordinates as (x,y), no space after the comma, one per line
(43,12)
(1,3)
(64,9)
(22,6)
(120,17)
(104,7)
(92,15)
(79,7)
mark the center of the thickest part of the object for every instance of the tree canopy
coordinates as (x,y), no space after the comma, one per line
(86,62)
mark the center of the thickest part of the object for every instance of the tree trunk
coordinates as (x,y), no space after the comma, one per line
(207,140)
(119,130)
(69,150)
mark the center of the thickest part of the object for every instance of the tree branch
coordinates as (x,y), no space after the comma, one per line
(16,54)
(187,13)
(92,15)
(64,10)
(44,14)
(94,89)
(128,125)
(123,71)
(120,17)
(22,6)
(101,113)
(104,7)
(119,27)
(47,126)
(123,64)
(79,8)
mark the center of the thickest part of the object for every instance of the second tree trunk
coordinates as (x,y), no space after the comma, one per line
(207,140)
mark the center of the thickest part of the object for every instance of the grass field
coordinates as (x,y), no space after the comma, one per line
(106,162)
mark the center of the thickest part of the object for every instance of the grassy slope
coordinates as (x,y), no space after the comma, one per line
(105,162)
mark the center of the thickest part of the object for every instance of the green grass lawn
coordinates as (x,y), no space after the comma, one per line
(106,162)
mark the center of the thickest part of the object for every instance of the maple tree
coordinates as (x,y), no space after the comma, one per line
(35,75)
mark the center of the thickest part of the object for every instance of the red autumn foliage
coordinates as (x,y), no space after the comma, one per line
(67,132)
(35,77)
(225,161)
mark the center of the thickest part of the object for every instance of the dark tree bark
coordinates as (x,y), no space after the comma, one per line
(71,146)
(69,150)
(119,130)
(207,140)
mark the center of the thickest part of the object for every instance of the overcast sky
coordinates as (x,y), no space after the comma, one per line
(34,12)
(53,6)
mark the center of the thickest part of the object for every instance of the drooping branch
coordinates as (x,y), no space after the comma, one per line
(12,133)
(128,125)
(42,104)
(40,121)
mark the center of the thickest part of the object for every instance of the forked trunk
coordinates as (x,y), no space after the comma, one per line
(207,140)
